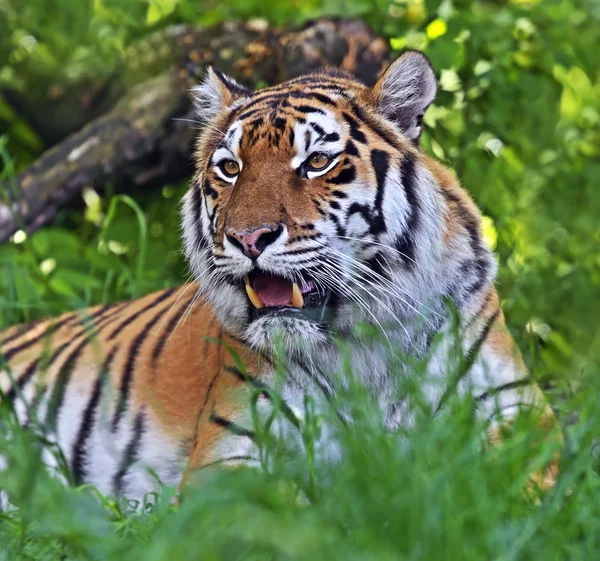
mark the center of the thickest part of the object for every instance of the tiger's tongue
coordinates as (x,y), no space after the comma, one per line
(273,291)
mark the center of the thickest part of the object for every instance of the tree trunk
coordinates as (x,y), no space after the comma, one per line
(146,138)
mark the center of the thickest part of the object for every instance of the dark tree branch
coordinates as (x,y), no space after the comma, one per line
(146,138)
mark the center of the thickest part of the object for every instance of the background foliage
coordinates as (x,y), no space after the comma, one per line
(517,117)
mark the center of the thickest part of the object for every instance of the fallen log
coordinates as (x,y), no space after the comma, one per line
(146,138)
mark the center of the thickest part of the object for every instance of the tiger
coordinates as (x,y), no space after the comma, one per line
(312,209)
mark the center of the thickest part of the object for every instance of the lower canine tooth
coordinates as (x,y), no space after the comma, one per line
(297,298)
(254,297)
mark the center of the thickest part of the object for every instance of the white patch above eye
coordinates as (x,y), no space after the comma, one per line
(234,139)
(315,173)
(222,154)
(309,131)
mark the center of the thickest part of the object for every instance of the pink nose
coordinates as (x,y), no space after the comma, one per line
(252,243)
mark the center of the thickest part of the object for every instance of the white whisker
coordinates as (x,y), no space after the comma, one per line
(183,290)
(391,288)
(332,269)
(365,242)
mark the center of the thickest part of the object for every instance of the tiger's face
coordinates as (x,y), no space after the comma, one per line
(308,202)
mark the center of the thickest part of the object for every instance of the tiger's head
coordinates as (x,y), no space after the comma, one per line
(313,208)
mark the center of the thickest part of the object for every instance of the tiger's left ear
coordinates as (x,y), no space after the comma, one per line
(405,91)
(217,92)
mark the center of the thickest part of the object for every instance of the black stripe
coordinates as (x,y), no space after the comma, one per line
(339,194)
(474,350)
(62,378)
(209,192)
(358,208)
(376,128)
(8,355)
(405,244)
(377,265)
(301,251)
(528,381)
(307,139)
(207,396)
(23,379)
(470,223)
(484,303)
(321,80)
(197,203)
(282,92)
(19,331)
(231,426)
(255,124)
(232,86)
(87,319)
(469,358)
(87,421)
(346,175)
(405,247)
(163,296)
(238,458)
(130,454)
(265,391)
(56,388)
(168,330)
(250,108)
(66,370)
(323,98)
(35,402)
(339,229)
(351,149)
(318,129)
(328,393)
(355,131)
(248,379)
(130,366)
(380,161)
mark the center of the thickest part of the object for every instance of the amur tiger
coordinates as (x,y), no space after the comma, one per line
(312,210)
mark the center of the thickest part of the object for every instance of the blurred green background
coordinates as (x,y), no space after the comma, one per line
(517,117)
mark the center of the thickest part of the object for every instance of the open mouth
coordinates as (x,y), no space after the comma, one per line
(272,294)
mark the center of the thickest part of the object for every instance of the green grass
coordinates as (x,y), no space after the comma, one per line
(518,118)
(434,493)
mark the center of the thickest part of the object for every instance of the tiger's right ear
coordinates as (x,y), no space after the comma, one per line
(405,91)
(216,92)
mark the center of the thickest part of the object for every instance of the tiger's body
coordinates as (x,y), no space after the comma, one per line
(312,210)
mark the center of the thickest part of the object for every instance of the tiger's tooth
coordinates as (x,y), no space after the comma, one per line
(254,297)
(297,298)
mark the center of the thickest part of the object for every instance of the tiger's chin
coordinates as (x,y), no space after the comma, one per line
(286,333)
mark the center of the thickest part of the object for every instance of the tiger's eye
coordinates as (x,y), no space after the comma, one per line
(318,161)
(230,167)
